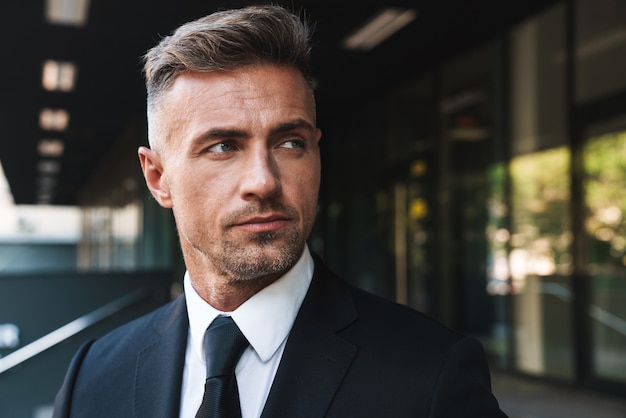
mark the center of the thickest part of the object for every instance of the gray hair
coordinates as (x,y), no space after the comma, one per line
(229,40)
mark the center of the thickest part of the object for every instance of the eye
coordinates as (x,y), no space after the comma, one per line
(293,144)
(221,148)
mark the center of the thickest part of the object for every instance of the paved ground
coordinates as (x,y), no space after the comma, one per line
(526,398)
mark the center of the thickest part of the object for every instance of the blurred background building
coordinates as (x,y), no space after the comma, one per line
(474,167)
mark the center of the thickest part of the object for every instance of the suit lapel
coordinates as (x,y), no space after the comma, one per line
(315,359)
(160,365)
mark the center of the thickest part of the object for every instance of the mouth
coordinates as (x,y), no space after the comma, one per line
(264,223)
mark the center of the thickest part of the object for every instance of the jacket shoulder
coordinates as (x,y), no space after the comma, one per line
(407,363)
(378,312)
(364,314)
(101,378)
(140,331)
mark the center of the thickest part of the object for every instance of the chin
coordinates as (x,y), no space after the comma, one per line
(263,261)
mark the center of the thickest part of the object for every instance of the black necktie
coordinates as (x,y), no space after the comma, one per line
(223,345)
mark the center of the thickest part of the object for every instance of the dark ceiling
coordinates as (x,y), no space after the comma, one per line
(110,94)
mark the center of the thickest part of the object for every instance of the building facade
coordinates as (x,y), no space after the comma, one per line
(486,192)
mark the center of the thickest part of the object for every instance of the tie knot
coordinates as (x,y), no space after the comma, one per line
(223,344)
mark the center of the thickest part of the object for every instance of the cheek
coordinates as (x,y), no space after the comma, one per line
(308,190)
(192,193)
(197,216)
(196,181)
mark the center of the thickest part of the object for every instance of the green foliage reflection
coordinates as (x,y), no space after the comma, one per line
(605,179)
(541,227)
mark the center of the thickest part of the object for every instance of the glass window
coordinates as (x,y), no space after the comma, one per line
(411,115)
(540,261)
(538,110)
(600,48)
(540,238)
(410,142)
(604,156)
(468,148)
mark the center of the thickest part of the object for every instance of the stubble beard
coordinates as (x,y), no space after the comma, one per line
(265,255)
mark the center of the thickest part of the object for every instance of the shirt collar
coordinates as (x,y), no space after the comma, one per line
(265,319)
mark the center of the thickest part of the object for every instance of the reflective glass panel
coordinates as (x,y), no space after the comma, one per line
(540,262)
(605,226)
(600,48)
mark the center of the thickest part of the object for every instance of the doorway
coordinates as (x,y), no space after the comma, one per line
(602,248)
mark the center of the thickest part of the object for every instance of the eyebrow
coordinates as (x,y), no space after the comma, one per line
(231,133)
(295,124)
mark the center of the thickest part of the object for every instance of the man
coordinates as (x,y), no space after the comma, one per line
(234,153)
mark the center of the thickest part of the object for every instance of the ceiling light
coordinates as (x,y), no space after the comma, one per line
(50,148)
(67,12)
(48,167)
(44,198)
(380,27)
(58,75)
(54,119)
(46,183)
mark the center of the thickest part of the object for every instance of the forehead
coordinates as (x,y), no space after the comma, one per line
(253,86)
(258,95)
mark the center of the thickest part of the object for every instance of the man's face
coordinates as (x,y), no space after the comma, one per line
(240,167)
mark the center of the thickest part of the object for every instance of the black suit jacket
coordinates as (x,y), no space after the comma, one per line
(349,355)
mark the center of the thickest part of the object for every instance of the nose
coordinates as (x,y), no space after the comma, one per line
(260,177)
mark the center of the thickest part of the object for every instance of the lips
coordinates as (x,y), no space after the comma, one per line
(265,223)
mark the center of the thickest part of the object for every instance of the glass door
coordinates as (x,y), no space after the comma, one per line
(604,245)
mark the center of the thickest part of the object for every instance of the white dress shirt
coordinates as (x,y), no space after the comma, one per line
(265,320)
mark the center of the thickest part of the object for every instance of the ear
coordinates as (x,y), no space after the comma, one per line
(318,135)
(152,168)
